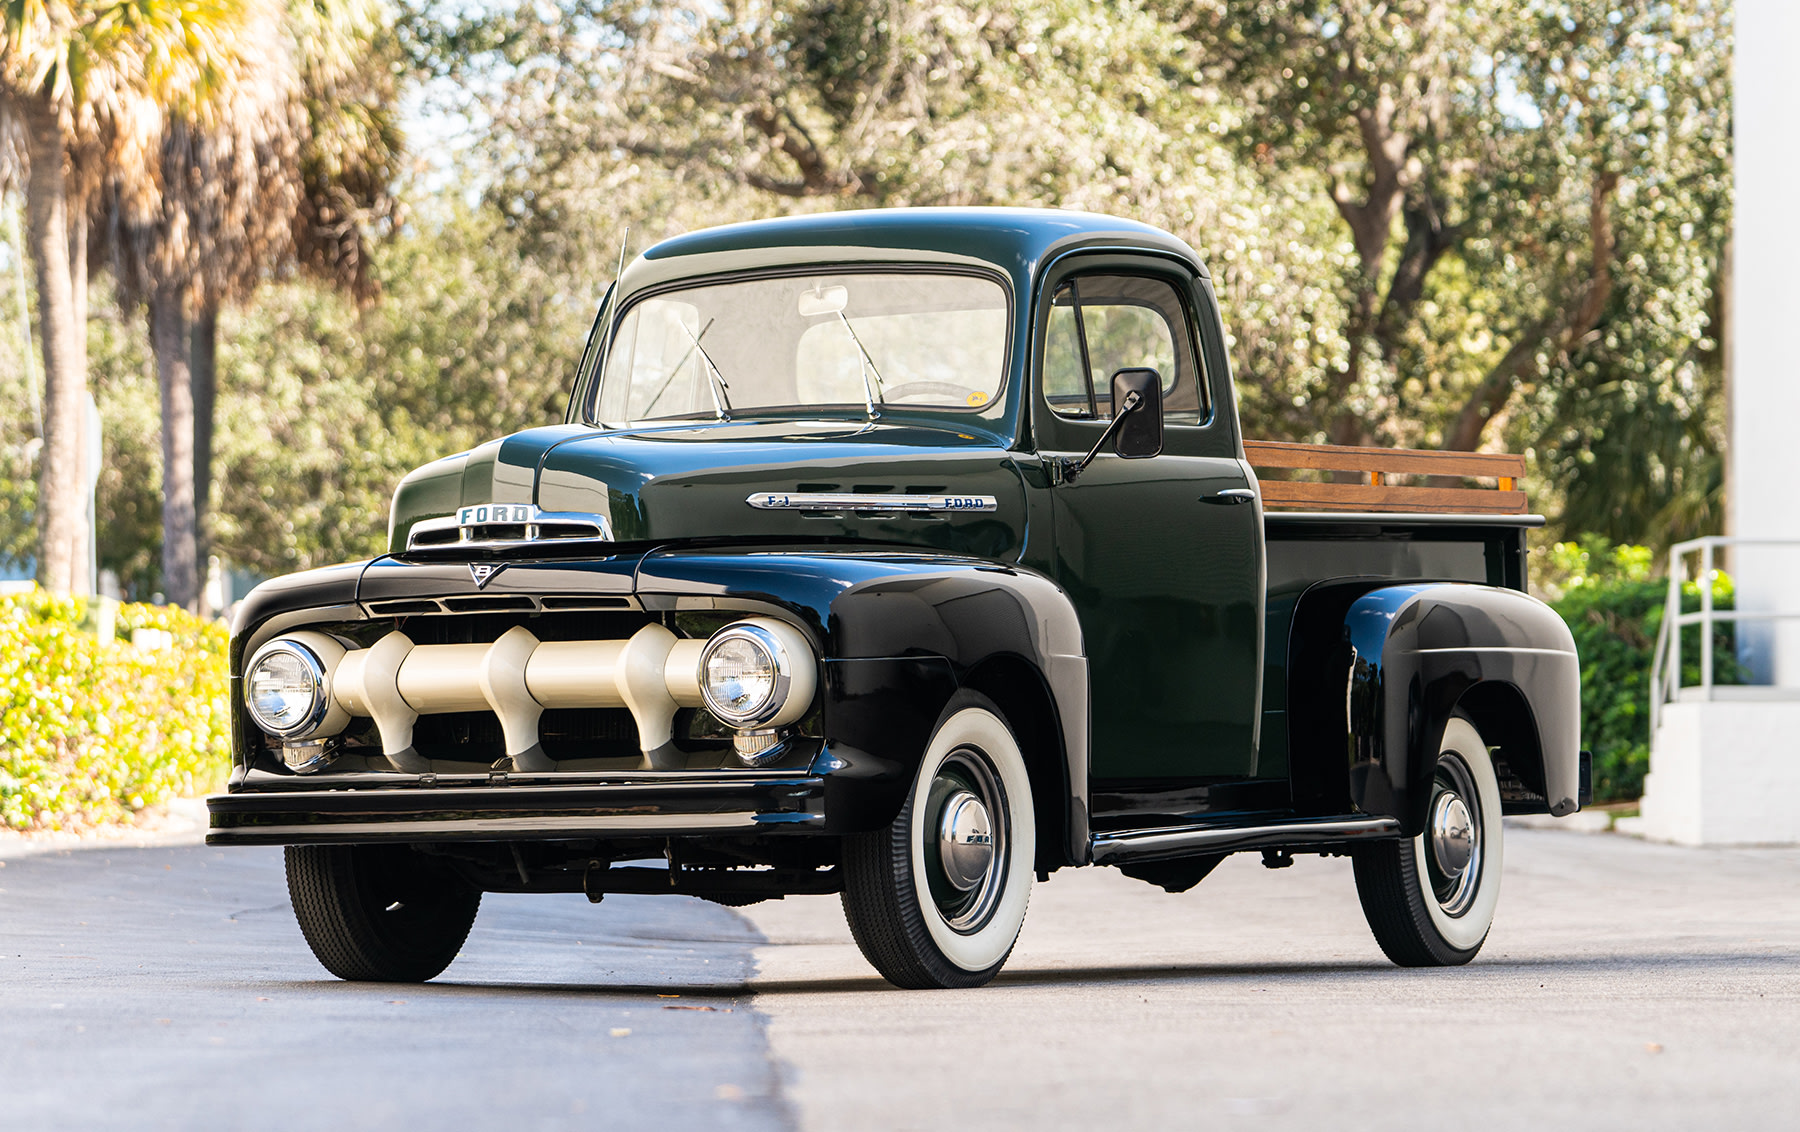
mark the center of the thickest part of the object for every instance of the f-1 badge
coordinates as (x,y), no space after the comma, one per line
(483,572)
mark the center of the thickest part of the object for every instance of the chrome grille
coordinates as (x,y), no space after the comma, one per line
(492,526)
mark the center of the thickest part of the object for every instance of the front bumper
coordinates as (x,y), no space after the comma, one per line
(697,805)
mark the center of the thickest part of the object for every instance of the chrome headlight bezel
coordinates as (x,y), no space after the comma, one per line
(314,716)
(781,688)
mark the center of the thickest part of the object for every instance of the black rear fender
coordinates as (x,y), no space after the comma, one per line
(1378,671)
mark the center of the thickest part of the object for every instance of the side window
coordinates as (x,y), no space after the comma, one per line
(1100,324)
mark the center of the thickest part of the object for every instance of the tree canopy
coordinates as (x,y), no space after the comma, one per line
(1430,223)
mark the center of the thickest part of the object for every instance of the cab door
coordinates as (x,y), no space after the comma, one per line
(1161,556)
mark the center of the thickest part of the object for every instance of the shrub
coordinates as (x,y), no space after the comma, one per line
(1614,608)
(93,731)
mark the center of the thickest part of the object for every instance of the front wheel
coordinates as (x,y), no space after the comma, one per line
(937,899)
(1430,901)
(379,913)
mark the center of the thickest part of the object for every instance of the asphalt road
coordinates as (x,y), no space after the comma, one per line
(170,988)
(1625,986)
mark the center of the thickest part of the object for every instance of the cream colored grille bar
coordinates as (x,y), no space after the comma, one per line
(653,673)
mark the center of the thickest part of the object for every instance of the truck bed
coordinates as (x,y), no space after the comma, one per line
(1377,490)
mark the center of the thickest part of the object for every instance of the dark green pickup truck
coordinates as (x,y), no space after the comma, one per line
(909,555)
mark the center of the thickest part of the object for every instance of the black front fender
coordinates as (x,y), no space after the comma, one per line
(899,634)
(1404,660)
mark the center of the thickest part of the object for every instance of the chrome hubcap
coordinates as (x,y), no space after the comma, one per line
(965,840)
(1453,836)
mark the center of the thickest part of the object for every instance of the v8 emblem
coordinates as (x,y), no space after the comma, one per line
(483,573)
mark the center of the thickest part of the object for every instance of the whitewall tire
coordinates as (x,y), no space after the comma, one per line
(1430,901)
(937,899)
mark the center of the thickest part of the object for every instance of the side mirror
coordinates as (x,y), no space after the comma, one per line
(1140,428)
(1136,431)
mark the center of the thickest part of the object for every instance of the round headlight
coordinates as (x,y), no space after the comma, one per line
(745,674)
(284,688)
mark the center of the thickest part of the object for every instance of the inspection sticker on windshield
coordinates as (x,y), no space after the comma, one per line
(867,501)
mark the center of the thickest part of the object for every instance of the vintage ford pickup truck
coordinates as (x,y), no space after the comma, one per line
(909,555)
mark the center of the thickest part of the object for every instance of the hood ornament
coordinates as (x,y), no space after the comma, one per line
(483,572)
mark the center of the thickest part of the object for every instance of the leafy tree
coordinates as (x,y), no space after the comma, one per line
(1534,146)
(594,116)
(328,405)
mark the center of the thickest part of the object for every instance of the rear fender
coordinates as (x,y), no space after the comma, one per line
(1384,668)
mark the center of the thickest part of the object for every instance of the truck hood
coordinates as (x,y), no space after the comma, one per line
(694,481)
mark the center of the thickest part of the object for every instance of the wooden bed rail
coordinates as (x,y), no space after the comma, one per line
(1374,465)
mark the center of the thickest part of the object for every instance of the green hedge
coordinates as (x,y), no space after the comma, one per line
(1614,608)
(93,731)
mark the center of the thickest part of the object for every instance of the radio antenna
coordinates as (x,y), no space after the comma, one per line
(624,240)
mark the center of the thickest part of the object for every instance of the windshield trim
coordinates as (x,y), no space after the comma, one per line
(996,408)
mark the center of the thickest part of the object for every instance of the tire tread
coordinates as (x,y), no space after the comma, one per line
(326,887)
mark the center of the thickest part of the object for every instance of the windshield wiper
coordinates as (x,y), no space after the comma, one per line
(674,370)
(721,398)
(871,393)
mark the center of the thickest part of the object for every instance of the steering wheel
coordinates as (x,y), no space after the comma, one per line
(962,393)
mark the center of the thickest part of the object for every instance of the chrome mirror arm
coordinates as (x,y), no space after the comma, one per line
(1072,468)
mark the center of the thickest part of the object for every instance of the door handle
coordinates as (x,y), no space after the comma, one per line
(1230,495)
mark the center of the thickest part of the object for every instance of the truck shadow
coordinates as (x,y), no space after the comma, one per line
(699,996)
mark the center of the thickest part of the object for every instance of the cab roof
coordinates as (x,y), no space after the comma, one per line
(1014,240)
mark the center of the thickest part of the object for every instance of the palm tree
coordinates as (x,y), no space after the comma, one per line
(349,149)
(240,197)
(85,83)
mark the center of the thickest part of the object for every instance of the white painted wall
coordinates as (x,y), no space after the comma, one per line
(1725,773)
(1765,351)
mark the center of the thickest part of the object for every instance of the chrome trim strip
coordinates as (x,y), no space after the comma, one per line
(868,501)
(381,608)
(1146,843)
(1498,648)
(594,786)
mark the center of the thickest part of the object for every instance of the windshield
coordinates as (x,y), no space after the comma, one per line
(862,340)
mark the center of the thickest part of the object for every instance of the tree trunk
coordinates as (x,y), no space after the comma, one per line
(62,559)
(1560,332)
(203,359)
(168,340)
(86,545)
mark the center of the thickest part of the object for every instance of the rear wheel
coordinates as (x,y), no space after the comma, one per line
(379,913)
(1430,901)
(937,899)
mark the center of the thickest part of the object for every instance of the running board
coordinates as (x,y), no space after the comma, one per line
(1197,840)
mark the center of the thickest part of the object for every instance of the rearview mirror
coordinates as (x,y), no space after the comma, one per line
(823,300)
(1140,429)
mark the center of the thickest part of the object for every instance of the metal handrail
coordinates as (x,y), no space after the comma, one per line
(1665,678)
